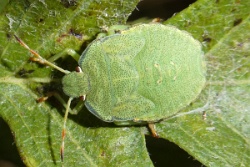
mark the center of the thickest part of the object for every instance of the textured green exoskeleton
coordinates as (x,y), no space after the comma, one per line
(143,74)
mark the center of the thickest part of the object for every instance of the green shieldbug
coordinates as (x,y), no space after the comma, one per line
(141,75)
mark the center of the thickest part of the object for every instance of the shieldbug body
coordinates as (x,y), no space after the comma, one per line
(141,75)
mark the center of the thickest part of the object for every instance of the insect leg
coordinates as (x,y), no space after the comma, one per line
(77,108)
(73,111)
(64,128)
(152,129)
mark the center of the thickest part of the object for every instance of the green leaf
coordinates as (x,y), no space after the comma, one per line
(221,138)
(48,27)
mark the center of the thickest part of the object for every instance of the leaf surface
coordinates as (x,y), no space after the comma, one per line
(214,129)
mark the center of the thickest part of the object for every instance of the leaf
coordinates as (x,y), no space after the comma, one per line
(221,137)
(49,27)
(214,129)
